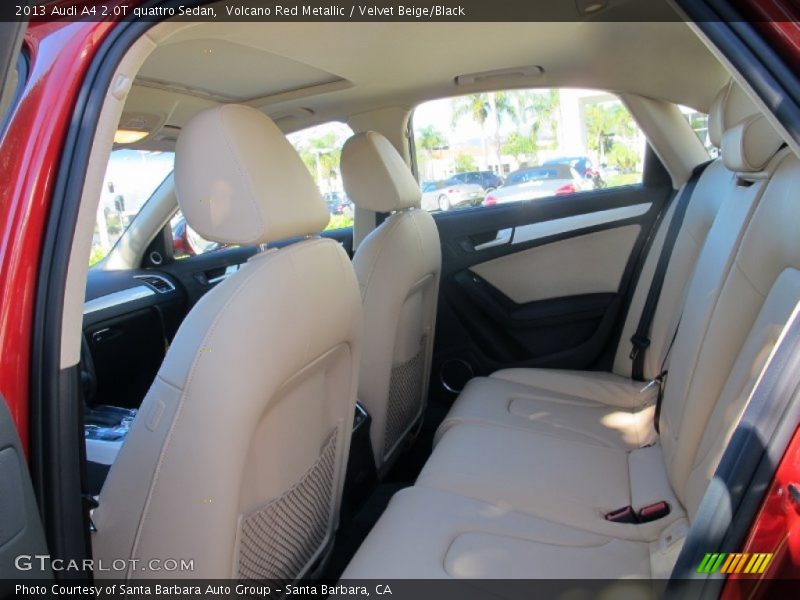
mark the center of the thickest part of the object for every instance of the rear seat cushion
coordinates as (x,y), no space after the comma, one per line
(550,477)
(593,407)
(545,405)
(515,496)
(427,533)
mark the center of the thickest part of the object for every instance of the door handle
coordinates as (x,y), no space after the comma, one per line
(503,237)
(229,270)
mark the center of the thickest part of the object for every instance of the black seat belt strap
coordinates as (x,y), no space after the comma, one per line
(641,338)
(661,380)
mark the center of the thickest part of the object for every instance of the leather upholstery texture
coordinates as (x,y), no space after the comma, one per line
(587,264)
(375,175)
(530,461)
(398,267)
(243,436)
(239,180)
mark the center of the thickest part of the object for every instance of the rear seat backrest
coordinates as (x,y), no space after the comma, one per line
(764,283)
(712,334)
(730,107)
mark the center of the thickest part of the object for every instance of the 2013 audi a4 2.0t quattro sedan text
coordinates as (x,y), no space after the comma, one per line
(246,353)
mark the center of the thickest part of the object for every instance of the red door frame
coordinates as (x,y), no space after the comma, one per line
(59,55)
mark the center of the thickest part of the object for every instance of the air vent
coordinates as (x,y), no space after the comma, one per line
(160,284)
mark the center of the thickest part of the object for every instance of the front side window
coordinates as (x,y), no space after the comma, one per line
(507,146)
(132,176)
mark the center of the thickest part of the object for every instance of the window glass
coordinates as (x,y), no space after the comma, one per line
(508,146)
(187,242)
(320,147)
(699,122)
(131,178)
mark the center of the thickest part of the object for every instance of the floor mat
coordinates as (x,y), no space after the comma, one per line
(353,532)
(403,474)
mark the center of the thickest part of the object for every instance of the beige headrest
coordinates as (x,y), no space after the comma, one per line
(239,180)
(729,108)
(375,176)
(748,146)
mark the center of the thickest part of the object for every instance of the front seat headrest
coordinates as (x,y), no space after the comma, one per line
(730,107)
(239,181)
(375,176)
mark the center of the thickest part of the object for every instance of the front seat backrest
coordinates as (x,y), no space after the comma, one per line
(397,266)
(236,458)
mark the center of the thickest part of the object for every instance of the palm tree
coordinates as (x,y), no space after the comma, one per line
(536,109)
(603,123)
(501,105)
(322,156)
(429,142)
(477,107)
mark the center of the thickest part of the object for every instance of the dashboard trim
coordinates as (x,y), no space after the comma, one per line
(117,298)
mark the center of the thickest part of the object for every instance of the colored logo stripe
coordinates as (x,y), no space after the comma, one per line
(754,564)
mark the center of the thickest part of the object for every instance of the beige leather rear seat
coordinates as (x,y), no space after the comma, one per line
(518,502)
(611,409)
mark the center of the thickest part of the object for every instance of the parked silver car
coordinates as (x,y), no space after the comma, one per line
(538,182)
(444,195)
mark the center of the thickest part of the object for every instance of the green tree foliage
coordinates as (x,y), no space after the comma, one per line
(477,108)
(322,156)
(622,156)
(607,125)
(537,110)
(534,111)
(429,140)
(520,146)
(429,143)
(464,163)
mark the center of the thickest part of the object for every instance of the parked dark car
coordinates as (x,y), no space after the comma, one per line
(486,179)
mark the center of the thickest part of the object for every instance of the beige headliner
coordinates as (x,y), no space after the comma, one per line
(307,73)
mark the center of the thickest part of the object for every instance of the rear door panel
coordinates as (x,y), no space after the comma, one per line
(540,283)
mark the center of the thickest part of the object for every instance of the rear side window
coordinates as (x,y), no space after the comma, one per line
(699,123)
(510,146)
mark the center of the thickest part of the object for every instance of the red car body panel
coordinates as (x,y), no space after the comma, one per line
(30,154)
(776,529)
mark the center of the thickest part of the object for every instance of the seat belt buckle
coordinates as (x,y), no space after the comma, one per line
(649,385)
(654,512)
(658,380)
(651,512)
(626,514)
(90,503)
(640,343)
